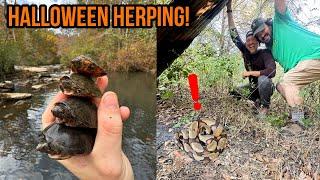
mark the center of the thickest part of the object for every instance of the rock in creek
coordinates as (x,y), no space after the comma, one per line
(6,86)
(14,96)
(38,86)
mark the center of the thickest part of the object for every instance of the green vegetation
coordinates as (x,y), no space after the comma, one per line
(213,70)
(7,59)
(277,120)
(222,73)
(219,66)
(35,47)
(185,119)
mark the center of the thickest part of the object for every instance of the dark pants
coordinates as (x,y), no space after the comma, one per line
(261,91)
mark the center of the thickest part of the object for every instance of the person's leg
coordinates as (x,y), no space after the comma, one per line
(254,96)
(290,93)
(304,73)
(265,87)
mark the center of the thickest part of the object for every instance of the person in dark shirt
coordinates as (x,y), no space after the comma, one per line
(259,64)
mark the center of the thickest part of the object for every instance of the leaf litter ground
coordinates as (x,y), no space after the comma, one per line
(257,149)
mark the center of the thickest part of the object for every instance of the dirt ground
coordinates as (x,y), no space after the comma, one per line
(256,149)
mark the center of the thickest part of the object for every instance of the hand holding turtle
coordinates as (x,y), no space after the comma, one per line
(107,160)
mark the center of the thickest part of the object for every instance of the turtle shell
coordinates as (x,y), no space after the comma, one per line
(79,85)
(76,112)
(62,142)
(86,66)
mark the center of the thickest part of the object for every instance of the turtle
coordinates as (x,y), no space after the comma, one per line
(75,126)
(79,85)
(62,142)
(86,66)
(76,112)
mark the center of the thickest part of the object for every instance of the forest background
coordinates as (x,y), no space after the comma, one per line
(115,49)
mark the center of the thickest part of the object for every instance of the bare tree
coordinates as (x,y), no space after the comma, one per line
(222,36)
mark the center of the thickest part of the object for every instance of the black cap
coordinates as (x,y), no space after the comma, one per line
(249,33)
(258,25)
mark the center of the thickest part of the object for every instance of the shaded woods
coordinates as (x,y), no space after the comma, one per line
(115,49)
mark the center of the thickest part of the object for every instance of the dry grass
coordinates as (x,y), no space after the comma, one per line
(258,149)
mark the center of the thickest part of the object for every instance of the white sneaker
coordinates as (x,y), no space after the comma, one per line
(297,115)
(262,113)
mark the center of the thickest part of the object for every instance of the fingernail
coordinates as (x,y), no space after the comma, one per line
(110,100)
(98,79)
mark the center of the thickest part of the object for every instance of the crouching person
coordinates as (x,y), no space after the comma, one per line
(260,67)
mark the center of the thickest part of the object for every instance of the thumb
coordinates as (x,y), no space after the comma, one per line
(109,134)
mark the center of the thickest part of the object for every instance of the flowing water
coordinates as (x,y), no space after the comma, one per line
(19,130)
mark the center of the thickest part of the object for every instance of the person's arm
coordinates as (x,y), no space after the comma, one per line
(280,6)
(251,73)
(230,17)
(270,65)
(233,30)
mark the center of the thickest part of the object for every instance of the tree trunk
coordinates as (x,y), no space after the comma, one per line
(5,19)
(13,35)
(9,32)
(223,30)
(172,41)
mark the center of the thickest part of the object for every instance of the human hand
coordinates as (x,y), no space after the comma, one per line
(246,74)
(107,160)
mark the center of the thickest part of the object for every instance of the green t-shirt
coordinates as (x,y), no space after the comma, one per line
(293,43)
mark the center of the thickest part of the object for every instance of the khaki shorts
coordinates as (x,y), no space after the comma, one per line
(304,73)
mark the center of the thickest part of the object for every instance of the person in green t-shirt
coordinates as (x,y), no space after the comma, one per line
(296,49)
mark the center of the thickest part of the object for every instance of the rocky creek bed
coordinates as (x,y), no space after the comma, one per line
(27,79)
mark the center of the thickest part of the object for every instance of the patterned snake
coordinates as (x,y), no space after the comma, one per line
(202,139)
